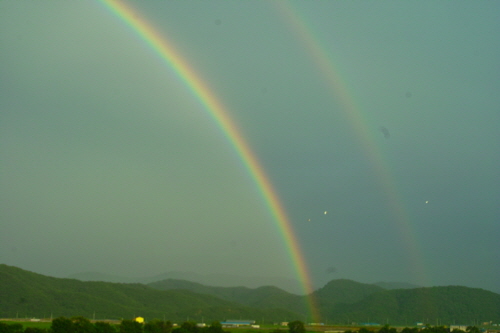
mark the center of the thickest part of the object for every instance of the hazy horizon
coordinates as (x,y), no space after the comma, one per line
(377,126)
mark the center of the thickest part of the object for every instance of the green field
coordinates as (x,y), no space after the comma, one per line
(27,323)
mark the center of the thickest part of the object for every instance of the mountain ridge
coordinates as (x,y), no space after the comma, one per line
(396,285)
(220,280)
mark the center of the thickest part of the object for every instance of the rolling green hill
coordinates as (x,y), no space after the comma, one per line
(27,294)
(24,293)
(435,306)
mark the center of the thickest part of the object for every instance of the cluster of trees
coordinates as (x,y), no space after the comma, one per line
(83,325)
(426,329)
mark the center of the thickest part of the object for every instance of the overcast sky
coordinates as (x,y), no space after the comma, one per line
(109,163)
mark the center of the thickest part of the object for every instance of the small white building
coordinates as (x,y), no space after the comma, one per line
(237,323)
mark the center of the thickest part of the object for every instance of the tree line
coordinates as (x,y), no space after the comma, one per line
(426,329)
(84,325)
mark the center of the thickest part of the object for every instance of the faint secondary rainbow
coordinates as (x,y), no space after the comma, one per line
(352,112)
(164,48)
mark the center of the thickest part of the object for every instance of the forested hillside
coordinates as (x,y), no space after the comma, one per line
(24,293)
(435,305)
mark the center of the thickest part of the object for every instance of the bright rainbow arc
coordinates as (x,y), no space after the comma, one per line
(221,117)
(353,114)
